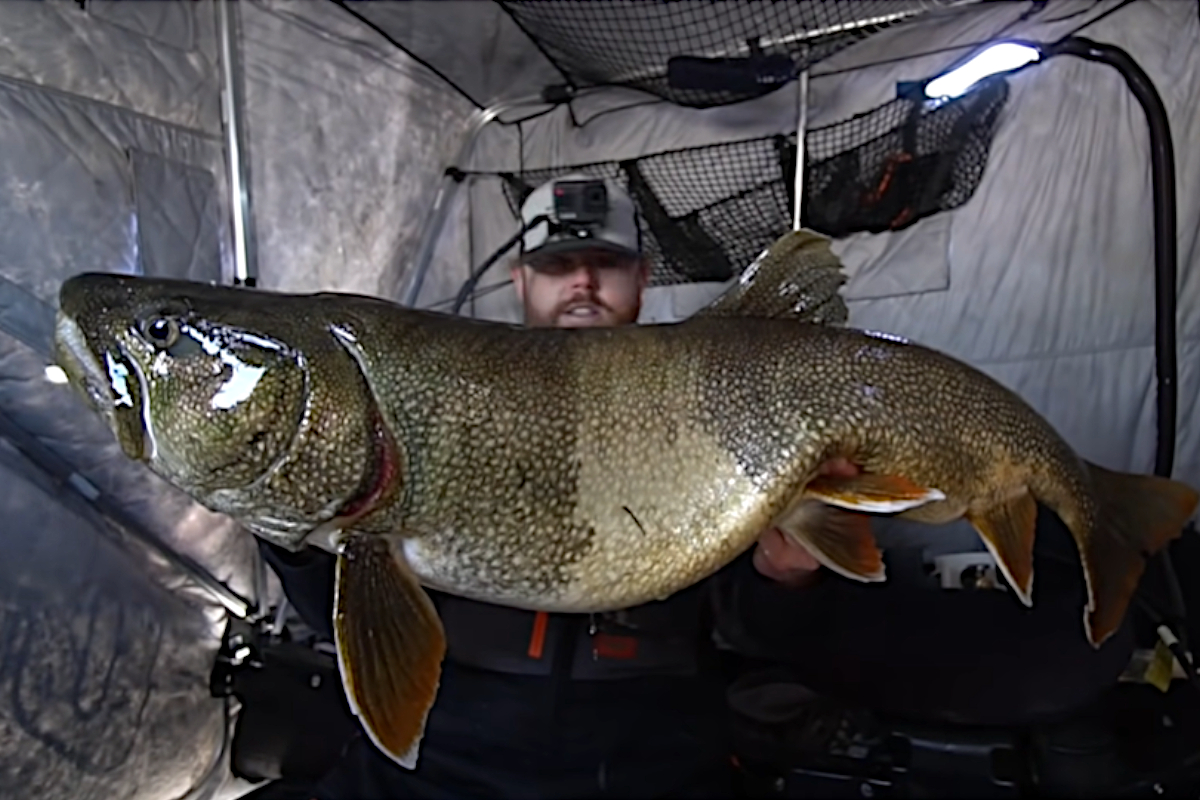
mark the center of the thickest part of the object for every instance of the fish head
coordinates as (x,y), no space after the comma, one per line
(189,377)
(252,402)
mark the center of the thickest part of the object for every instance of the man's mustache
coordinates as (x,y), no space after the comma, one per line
(575,301)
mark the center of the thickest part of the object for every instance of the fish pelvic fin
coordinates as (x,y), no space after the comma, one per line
(1139,515)
(1007,527)
(390,644)
(840,540)
(871,493)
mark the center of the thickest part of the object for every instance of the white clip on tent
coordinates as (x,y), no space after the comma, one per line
(380,147)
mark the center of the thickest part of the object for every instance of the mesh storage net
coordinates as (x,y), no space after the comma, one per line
(667,47)
(707,212)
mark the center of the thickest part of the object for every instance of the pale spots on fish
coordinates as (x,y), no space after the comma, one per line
(655,535)
(491,478)
(643,458)
(586,469)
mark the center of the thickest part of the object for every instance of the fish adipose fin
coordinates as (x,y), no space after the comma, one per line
(390,644)
(841,540)
(1007,528)
(1139,515)
(870,493)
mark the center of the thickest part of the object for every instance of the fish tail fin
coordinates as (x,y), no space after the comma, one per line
(1138,516)
(390,645)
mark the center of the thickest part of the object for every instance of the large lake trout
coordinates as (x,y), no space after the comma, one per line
(574,470)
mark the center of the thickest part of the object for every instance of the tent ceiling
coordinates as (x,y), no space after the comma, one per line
(531,45)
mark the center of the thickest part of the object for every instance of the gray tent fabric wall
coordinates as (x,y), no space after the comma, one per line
(110,115)
(110,125)
(111,121)
(1049,268)
(1044,278)
(348,138)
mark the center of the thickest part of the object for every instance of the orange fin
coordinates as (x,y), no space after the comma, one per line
(1007,528)
(390,645)
(871,494)
(840,540)
(1139,515)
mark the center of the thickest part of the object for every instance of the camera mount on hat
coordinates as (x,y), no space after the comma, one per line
(579,210)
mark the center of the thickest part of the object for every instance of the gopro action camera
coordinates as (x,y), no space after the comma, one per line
(580,205)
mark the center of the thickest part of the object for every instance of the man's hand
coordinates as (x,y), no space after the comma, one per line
(780,557)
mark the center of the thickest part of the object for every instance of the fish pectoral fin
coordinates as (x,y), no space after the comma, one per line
(1007,528)
(870,493)
(841,540)
(390,644)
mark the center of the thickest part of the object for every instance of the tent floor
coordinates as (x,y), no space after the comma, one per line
(1135,742)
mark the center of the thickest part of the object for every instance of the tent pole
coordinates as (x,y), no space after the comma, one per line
(59,471)
(801,126)
(245,267)
(1162,176)
(436,218)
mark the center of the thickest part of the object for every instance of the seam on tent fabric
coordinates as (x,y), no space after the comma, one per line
(93,12)
(584,122)
(1096,19)
(551,164)
(18,83)
(39,314)
(599,114)
(392,41)
(368,50)
(526,118)
(1031,13)
(538,45)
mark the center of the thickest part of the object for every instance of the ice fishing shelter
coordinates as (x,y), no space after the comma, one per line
(382,147)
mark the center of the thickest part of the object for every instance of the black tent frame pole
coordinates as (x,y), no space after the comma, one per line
(1162,174)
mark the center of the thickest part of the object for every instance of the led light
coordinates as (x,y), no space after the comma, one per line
(55,374)
(1003,57)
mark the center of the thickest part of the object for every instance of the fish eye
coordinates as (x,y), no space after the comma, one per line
(162,332)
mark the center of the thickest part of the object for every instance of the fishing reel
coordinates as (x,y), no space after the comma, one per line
(293,720)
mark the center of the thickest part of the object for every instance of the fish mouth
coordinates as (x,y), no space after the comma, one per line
(108,381)
(72,354)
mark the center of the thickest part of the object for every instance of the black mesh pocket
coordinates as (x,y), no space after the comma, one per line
(887,168)
(700,53)
(707,212)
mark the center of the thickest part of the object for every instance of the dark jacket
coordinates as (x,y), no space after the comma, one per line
(670,637)
(612,706)
(912,649)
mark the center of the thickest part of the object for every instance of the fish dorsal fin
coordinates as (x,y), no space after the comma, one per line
(797,277)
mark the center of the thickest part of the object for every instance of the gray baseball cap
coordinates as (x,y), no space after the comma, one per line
(619,233)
